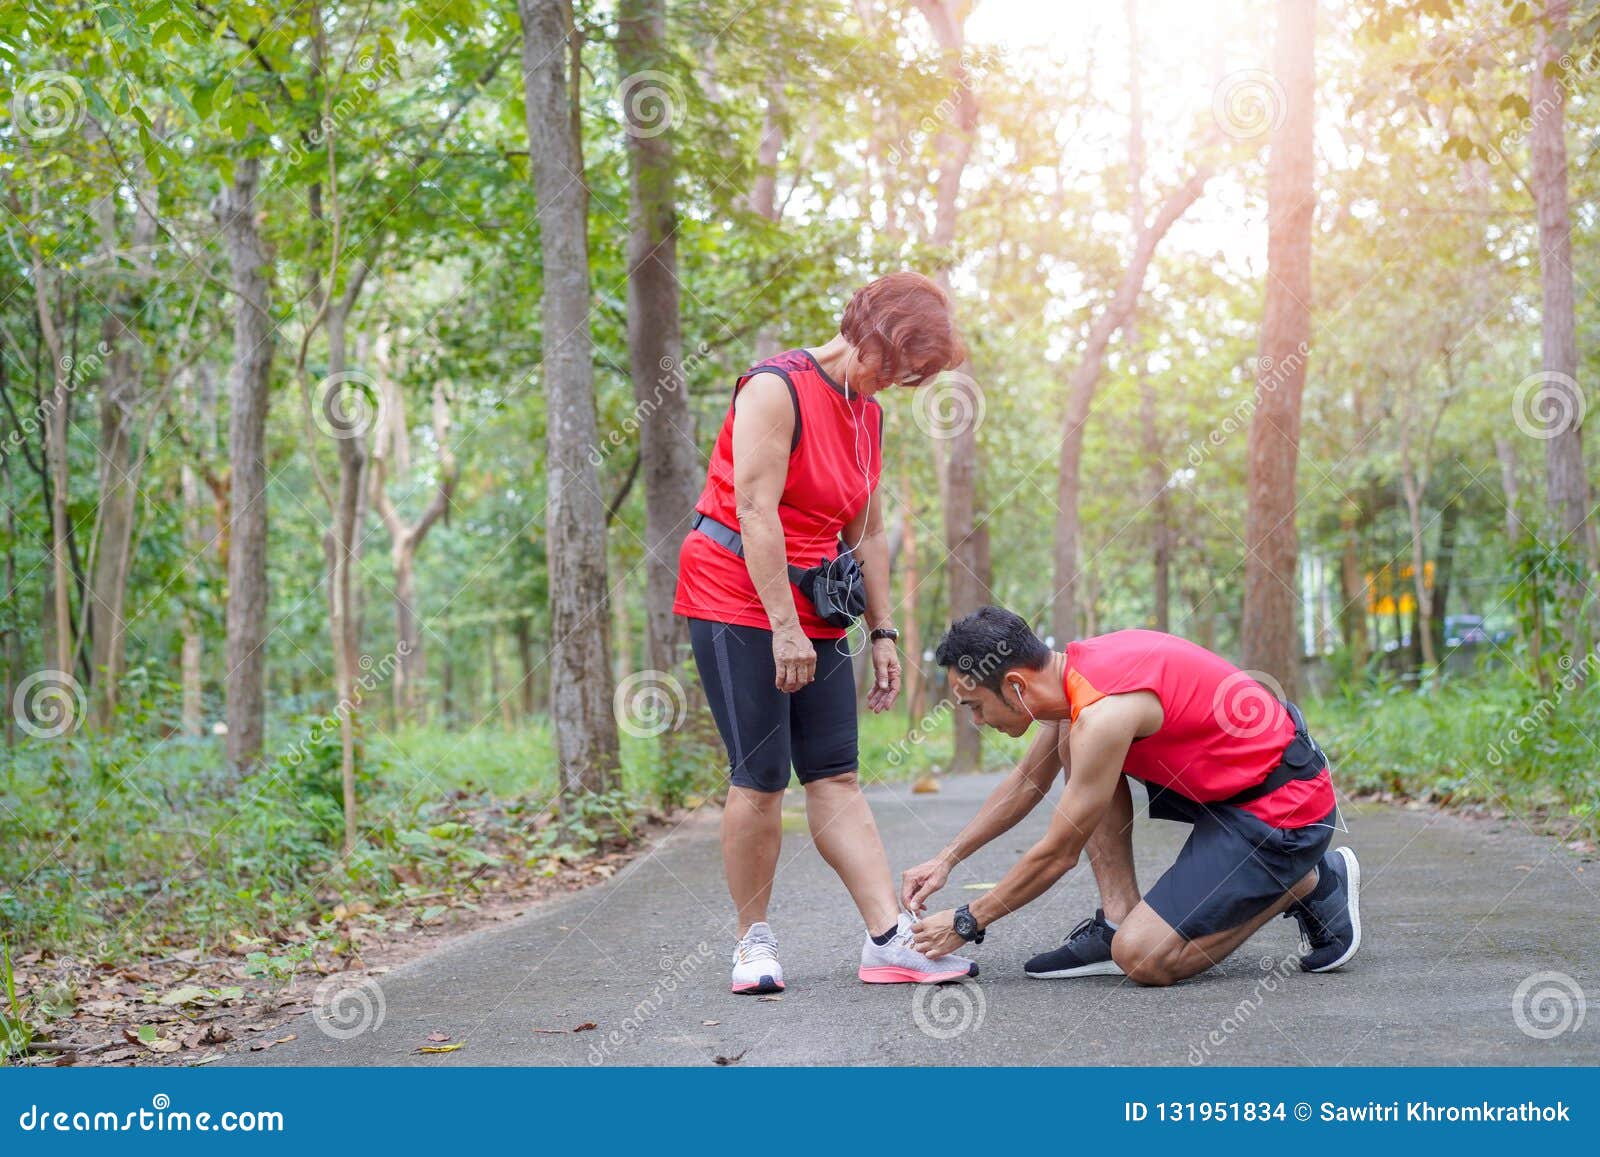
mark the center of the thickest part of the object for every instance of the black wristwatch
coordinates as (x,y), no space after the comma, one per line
(885,633)
(966,926)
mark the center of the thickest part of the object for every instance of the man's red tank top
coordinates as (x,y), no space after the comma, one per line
(1221,731)
(834,465)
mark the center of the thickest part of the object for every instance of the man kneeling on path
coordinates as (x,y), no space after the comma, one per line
(1214,748)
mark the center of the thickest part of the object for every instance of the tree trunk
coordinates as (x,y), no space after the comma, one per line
(1444,571)
(405,539)
(1081,386)
(1155,470)
(1559,402)
(1506,454)
(1352,587)
(10,651)
(580,652)
(248,378)
(1269,642)
(915,686)
(1423,635)
(55,476)
(670,461)
(968,578)
(525,659)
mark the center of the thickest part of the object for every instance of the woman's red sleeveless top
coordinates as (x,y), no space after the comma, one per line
(834,465)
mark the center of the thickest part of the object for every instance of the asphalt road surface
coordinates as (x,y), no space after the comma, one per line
(1480,939)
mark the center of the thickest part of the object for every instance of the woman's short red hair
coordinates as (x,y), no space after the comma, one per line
(902,323)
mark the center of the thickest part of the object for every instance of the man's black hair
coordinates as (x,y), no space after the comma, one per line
(988,643)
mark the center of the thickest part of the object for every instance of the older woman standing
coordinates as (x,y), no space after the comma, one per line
(794,468)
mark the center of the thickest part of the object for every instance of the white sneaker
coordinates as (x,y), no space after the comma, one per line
(755,963)
(897,962)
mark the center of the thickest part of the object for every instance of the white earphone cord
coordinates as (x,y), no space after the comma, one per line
(866,477)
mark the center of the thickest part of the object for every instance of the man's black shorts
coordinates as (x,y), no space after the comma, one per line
(766,730)
(1233,865)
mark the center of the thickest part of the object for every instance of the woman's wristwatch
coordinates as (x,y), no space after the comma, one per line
(885,633)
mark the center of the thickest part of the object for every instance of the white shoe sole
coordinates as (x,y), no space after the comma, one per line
(1353,868)
(1104,968)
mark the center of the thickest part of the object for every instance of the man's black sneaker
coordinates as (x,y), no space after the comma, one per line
(1330,918)
(1085,952)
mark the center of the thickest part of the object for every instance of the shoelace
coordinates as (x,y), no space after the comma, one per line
(753,950)
(1312,934)
(1083,928)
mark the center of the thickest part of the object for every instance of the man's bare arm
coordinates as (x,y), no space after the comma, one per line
(1013,797)
(1098,748)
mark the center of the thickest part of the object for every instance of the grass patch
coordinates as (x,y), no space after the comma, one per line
(1479,740)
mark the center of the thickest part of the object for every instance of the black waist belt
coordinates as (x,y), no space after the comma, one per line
(730,539)
(1302,759)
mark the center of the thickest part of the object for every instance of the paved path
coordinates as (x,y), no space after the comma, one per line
(1458,914)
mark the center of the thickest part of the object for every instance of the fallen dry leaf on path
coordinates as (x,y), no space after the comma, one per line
(450,1048)
(733,1060)
(709,1023)
(765,999)
(438,1038)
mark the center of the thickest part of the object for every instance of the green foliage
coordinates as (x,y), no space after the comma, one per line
(1493,741)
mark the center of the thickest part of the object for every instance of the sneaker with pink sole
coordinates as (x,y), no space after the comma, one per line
(897,962)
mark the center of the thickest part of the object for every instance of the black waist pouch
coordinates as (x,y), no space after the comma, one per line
(836,587)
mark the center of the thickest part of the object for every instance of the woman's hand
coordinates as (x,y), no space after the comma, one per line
(794,658)
(886,676)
